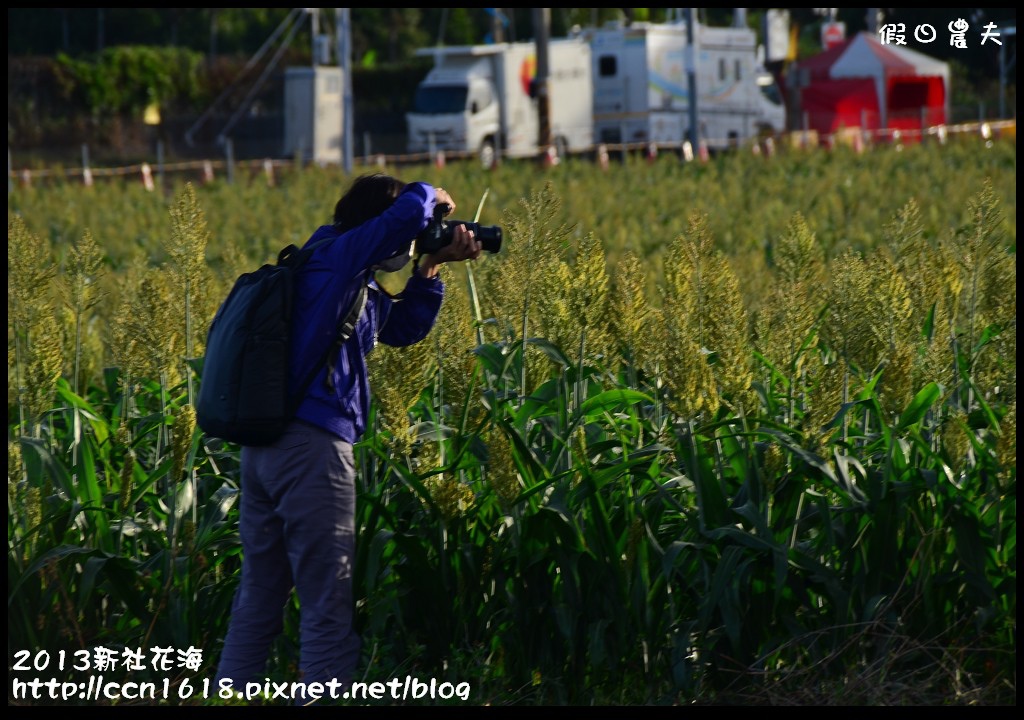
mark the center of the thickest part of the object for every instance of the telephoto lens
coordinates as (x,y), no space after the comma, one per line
(439,233)
(488,235)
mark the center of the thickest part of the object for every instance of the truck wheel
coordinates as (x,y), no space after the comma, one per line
(488,155)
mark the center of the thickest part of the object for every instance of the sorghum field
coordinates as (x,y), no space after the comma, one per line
(741,432)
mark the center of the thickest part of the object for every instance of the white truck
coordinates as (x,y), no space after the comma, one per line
(641,92)
(479,99)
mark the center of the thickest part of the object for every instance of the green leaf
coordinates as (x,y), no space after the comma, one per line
(847,480)
(808,457)
(58,553)
(743,538)
(990,333)
(85,474)
(41,463)
(611,400)
(80,406)
(918,407)
(928,329)
(552,351)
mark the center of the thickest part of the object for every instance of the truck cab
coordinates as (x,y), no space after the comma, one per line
(481,99)
(455,108)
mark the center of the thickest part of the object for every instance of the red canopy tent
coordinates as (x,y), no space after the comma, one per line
(863,83)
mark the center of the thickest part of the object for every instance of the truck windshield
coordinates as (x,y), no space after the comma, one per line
(440,99)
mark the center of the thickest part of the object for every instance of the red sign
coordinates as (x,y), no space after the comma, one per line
(832,34)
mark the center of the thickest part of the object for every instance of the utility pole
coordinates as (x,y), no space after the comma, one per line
(1007,33)
(213,37)
(691,76)
(542,29)
(344,23)
(873,17)
(314,32)
(497,25)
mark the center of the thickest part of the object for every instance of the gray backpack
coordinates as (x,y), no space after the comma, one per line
(243,391)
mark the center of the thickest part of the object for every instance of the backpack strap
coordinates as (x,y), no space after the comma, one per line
(345,329)
(296,257)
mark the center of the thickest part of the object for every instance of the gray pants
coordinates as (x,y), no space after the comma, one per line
(297,524)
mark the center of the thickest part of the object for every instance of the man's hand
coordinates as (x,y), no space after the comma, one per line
(464,246)
(444,198)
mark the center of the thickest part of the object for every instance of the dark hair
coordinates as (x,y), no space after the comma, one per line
(369,196)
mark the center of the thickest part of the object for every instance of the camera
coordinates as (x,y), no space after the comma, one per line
(439,232)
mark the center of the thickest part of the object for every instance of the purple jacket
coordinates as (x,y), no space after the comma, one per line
(327,287)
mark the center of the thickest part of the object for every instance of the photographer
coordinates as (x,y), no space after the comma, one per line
(297,513)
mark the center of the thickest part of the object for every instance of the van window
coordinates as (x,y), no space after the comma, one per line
(739,69)
(607,66)
(722,71)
